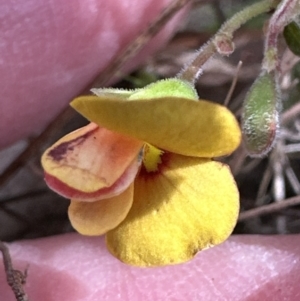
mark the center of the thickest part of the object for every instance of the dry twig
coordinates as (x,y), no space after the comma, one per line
(139,42)
(15,278)
(270,208)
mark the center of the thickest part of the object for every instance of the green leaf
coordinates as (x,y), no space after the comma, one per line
(291,34)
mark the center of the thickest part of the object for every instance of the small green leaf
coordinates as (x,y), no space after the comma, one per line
(260,118)
(291,34)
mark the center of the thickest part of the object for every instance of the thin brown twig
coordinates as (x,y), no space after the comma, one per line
(233,83)
(263,187)
(139,42)
(291,113)
(270,208)
(15,278)
(238,160)
(22,196)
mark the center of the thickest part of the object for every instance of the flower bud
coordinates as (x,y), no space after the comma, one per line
(260,118)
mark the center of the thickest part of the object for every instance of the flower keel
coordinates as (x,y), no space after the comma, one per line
(96,218)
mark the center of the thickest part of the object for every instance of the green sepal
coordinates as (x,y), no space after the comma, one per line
(112,92)
(171,87)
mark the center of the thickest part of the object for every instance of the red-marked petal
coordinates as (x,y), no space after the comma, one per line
(90,159)
(118,187)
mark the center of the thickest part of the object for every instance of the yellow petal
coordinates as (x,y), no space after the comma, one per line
(98,217)
(179,125)
(189,205)
(89,159)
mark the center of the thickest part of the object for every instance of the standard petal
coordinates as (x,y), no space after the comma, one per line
(98,217)
(189,205)
(88,160)
(179,125)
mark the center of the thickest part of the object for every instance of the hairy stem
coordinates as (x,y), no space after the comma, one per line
(193,70)
(283,14)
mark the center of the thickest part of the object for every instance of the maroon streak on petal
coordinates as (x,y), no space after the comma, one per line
(119,186)
(59,152)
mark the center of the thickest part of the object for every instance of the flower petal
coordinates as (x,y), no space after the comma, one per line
(98,217)
(190,205)
(179,125)
(118,187)
(88,160)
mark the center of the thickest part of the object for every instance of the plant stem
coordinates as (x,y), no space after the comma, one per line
(193,70)
(283,14)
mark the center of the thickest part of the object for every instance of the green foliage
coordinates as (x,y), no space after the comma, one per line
(291,34)
(294,92)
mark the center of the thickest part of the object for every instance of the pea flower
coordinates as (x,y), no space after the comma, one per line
(142,172)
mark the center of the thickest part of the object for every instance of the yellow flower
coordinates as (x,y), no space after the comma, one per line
(142,172)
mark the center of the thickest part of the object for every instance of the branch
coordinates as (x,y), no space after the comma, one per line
(267,209)
(15,278)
